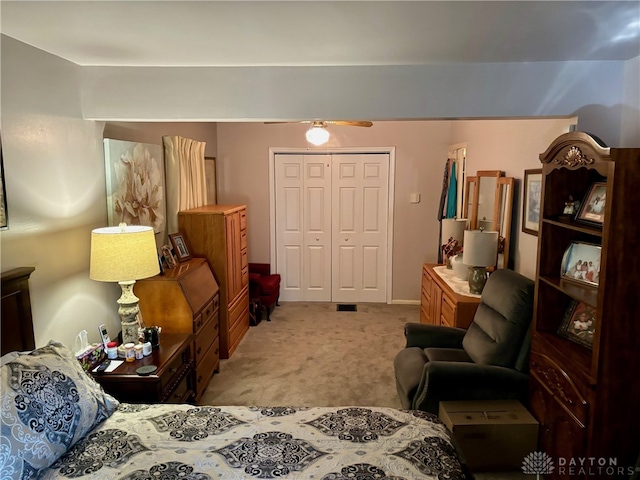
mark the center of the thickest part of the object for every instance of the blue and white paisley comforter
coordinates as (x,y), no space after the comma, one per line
(200,443)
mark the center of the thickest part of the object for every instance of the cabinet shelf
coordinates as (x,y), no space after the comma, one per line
(568,350)
(573,225)
(588,295)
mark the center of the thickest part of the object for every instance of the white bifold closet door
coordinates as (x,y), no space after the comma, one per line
(331,226)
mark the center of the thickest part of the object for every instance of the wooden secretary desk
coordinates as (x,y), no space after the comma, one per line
(185,299)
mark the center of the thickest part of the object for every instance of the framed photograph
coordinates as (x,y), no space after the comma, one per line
(531,201)
(180,247)
(579,323)
(169,259)
(592,207)
(581,263)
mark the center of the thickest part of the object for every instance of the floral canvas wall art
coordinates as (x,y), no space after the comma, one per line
(135,184)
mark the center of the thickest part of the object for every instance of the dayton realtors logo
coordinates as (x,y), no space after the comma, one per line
(539,463)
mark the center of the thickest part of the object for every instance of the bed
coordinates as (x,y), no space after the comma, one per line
(57,422)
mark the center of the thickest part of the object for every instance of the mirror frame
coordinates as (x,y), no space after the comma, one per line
(502,220)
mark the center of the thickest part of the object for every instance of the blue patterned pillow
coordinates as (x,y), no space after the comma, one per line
(48,403)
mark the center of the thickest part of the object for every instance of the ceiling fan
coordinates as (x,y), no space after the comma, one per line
(318,133)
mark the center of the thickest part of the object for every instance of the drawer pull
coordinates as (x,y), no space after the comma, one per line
(199,378)
(173,369)
(198,351)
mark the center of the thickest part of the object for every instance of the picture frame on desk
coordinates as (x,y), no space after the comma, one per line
(169,259)
(179,247)
(579,323)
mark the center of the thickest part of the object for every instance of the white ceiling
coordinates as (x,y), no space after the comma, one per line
(302,33)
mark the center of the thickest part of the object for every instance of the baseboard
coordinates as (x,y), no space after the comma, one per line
(405,302)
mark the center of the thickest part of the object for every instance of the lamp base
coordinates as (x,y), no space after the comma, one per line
(477,279)
(128,311)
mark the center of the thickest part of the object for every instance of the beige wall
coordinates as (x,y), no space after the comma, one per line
(512,146)
(421,150)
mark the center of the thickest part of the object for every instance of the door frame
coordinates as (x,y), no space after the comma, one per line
(391,151)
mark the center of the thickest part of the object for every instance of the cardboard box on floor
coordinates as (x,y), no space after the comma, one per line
(492,434)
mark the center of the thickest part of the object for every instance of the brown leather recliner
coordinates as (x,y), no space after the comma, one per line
(264,286)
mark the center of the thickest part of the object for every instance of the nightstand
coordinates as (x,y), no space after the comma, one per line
(172,382)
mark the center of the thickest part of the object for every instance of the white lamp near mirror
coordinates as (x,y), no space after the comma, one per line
(453,231)
(480,252)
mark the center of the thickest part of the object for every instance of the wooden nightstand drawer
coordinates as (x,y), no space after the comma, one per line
(182,393)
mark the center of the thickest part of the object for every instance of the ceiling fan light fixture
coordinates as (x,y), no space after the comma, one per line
(317,134)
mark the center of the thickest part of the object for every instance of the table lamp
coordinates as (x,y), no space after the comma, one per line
(124,254)
(452,229)
(480,252)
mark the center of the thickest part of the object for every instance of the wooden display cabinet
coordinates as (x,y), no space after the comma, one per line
(586,399)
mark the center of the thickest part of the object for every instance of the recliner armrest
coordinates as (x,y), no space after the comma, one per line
(468,381)
(426,336)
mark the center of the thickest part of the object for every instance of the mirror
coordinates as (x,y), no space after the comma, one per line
(488,204)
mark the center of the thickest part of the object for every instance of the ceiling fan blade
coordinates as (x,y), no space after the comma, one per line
(275,123)
(350,123)
(347,123)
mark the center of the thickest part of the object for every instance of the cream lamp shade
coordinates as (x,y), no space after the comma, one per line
(317,134)
(480,248)
(453,228)
(124,254)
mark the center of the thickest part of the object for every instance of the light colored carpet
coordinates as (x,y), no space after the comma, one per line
(311,355)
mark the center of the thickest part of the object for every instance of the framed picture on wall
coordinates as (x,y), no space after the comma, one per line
(3,196)
(531,201)
(135,184)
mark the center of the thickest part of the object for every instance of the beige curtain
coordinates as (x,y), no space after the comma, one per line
(186,178)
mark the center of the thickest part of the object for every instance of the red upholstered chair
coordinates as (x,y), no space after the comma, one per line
(264,285)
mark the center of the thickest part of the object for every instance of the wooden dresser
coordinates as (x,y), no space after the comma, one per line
(185,300)
(219,233)
(441,305)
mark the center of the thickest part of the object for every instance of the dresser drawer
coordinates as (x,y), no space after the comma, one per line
(182,393)
(236,310)
(208,310)
(239,328)
(205,369)
(243,240)
(243,220)
(448,310)
(204,339)
(172,374)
